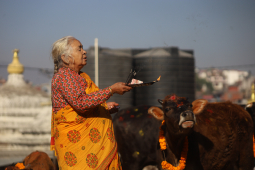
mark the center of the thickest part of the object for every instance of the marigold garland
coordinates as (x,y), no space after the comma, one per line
(20,166)
(182,161)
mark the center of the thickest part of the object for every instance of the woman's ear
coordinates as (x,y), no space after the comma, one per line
(64,59)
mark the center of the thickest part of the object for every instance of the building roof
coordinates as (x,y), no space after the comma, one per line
(162,52)
(108,51)
(155,52)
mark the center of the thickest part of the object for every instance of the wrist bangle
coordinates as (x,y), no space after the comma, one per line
(110,90)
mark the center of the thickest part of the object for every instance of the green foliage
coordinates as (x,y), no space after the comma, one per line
(200,82)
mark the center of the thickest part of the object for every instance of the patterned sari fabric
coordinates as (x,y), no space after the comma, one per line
(82,131)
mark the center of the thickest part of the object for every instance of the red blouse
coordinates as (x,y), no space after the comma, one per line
(68,87)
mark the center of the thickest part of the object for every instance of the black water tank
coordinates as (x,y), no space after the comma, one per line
(176,68)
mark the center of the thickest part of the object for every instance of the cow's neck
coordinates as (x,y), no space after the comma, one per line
(174,147)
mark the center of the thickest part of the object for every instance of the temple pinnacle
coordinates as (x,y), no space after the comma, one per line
(15,67)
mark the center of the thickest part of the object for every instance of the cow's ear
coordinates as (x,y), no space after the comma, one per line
(156,112)
(160,101)
(199,105)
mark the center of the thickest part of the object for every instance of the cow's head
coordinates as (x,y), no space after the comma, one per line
(177,112)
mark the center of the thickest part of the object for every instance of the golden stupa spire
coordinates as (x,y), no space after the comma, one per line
(15,67)
(252,99)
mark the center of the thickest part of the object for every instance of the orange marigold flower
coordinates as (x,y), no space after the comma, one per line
(20,166)
(163,163)
(161,139)
(167,165)
(162,147)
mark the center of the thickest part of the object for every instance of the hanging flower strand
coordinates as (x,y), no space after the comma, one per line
(182,161)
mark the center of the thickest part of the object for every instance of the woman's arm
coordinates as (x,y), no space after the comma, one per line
(72,88)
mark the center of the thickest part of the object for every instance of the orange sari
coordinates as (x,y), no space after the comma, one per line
(84,140)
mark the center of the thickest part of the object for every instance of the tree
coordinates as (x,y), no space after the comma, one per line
(200,82)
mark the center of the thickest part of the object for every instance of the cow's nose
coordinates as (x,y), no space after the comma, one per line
(187,114)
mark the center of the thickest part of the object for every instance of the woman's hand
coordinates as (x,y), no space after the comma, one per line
(112,107)
(120,88)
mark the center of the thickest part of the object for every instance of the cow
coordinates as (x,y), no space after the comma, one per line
(136,135)
(35,161)
(192,136)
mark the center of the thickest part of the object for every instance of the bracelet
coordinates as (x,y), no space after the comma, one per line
(110,90)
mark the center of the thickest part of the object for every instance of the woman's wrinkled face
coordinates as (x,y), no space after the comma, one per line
(79,55)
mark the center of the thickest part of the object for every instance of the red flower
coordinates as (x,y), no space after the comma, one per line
(180,104)
(173,97)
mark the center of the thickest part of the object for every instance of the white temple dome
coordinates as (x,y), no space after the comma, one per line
(24,97)
(25,115)
(16,92)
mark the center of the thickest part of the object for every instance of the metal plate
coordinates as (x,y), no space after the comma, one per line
(142,84)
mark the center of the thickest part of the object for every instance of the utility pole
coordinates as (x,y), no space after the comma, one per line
(96,63)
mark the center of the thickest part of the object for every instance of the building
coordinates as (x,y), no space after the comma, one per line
(25,120)
(232,85)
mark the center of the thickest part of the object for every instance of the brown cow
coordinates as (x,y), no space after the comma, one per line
(219,134)
(35,161)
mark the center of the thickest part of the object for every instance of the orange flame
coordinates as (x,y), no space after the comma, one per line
(158,78)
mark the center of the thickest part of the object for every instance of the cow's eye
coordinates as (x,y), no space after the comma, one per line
(190,105)
(167,109)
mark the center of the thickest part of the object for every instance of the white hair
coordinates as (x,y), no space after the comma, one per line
(59,48)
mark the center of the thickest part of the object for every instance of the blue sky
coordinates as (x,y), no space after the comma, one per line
(221,32)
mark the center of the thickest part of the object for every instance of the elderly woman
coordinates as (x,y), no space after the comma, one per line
(82,132)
